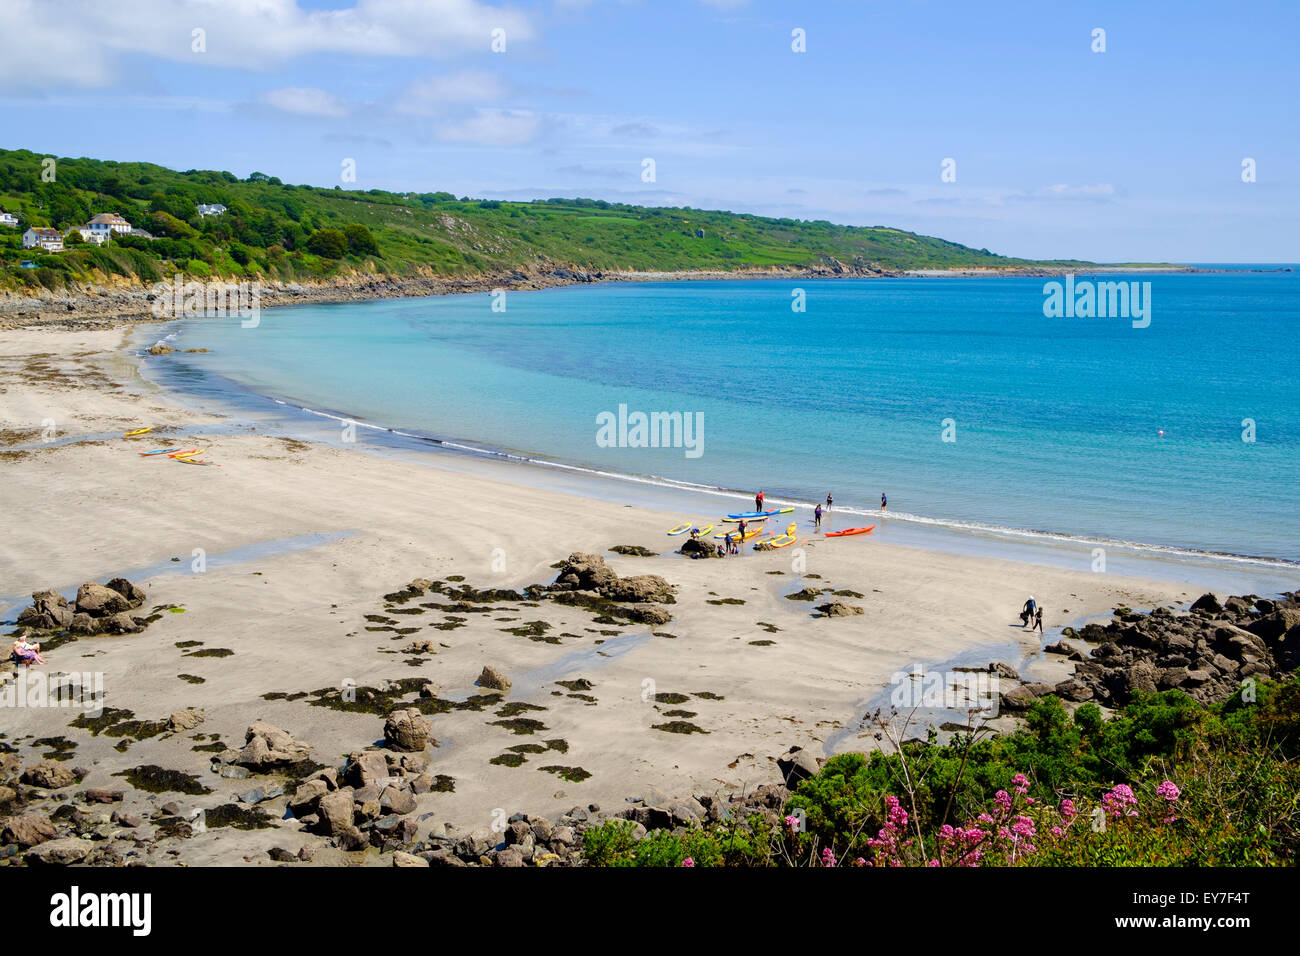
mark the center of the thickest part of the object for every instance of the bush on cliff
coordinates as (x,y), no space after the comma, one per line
(1163,782)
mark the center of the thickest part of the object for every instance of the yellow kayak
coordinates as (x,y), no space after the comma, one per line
(188,454)
(783,540)
(138,431)
(749,533)
(703,531)
(681,528)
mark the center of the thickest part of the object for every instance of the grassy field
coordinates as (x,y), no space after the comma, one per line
(280,231)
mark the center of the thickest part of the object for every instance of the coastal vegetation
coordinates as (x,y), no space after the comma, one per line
(1163,782)
(278,231)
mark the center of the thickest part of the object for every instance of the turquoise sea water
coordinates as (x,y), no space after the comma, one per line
(1056,421)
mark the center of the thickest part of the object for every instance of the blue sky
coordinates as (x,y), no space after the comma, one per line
(1130,154)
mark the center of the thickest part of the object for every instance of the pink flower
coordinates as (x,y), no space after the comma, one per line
(688,862)
(1169,790)
(1068,813)
(792,822)
(1021,783)
(1002,799)
(828,857)
(1118,801)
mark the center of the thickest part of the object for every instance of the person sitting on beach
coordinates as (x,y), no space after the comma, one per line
(817,517)
(26,653)
(695,532)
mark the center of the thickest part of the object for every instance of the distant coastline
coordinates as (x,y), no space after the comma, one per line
(95,305)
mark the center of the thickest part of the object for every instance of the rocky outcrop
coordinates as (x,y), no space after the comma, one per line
(1207,651)
(581,572)
(49,611)
(98,609)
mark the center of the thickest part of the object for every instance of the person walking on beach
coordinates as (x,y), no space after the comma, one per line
(817,518)
(1038,621)
(884,502)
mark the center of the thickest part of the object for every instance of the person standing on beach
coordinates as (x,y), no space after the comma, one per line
(758,501)
(728,540)
(817,518)
(884,502)
(1038,621)
(829,501)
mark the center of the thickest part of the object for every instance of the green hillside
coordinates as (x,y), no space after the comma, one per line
(279,231)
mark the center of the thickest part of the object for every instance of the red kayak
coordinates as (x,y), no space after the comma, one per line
(840,534)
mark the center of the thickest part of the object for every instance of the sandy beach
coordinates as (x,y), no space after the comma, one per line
(301,543)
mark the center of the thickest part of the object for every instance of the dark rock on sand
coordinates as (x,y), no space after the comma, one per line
(796,764)
(699,548)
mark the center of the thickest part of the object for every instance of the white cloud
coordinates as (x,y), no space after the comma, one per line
(430,96)
(309,102)
(1064,191)
(493,128)
(92,43)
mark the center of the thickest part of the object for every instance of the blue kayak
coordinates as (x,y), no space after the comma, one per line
(748,515)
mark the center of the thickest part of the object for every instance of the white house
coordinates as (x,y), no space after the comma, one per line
(44,238)
(8,219)
(210,209)
(107,223)
(98,238)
